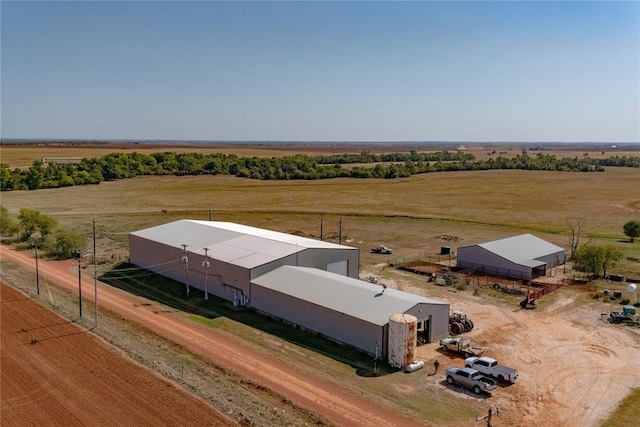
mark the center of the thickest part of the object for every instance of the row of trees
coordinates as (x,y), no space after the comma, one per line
(34,228)
(365,165)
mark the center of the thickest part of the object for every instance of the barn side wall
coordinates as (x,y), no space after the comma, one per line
(485,261)
(437,314)
(332,324)
(223,280)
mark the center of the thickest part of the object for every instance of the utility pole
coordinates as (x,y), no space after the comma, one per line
(206,264)
(185,263)
(340,232)
(95,277)
(80,281)
(37,274)
(487,417)
(321,226)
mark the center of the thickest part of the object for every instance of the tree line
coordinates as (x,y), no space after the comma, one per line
(116,166)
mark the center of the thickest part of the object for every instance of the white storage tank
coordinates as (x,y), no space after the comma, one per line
(403,340)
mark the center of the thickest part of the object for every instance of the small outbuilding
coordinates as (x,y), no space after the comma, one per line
(522,257)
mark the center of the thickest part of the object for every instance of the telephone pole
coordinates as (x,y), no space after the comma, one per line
(185,263)
(37,273)
(206,264)
(80,282)
(487,417)
(95,277)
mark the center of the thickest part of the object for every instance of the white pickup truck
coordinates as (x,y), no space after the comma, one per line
(489,366)
(470,378)
(460,345)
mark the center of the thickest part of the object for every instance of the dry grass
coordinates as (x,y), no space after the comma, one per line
(404,213)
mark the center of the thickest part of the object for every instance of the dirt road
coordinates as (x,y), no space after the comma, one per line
(337,405)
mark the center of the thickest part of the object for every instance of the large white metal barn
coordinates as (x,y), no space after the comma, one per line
(224,257)
(310,283)
(347,310)
(519,257)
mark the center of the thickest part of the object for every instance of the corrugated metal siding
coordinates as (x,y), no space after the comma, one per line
(439,315)
(481,259)
(325,321)
(514,257)
(222,278)
(235,258)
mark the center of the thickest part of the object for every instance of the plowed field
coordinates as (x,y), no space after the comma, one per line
(56,373)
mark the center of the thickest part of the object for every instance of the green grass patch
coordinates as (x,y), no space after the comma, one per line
(627,413)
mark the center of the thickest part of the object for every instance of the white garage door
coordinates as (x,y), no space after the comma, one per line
(340,267)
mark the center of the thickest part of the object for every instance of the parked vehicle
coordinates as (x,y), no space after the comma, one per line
(470,378)
(459,323)
(491,367)
(382,249)
(460,345)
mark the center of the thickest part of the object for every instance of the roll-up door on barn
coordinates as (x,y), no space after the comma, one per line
(340,267)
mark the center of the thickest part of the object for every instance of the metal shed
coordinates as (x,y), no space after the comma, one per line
(223,257)
(519,257)
(344,309)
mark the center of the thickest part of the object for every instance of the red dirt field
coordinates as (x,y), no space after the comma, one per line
(56,373)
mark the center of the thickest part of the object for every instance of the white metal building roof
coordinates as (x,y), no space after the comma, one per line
(234,243)
(523,249)
(357,298)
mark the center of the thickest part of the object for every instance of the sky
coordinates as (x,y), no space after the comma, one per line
(511,71)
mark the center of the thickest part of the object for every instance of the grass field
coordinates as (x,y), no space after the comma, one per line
(410,214)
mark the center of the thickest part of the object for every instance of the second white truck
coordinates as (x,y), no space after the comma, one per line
(470,378)
(492,368)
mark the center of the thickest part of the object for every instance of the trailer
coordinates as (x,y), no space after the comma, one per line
(460,345)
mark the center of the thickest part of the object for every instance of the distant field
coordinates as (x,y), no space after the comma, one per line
(409,214)
(24,155)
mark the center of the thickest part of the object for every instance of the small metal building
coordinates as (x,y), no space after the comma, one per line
(223,257)
(344,309)
(521,257)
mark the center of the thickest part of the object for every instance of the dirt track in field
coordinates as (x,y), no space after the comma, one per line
(56,373)
(339,406)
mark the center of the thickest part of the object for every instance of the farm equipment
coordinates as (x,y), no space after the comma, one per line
(627,316)
(382,249)
(459,323)
(528,303)
(442,279)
